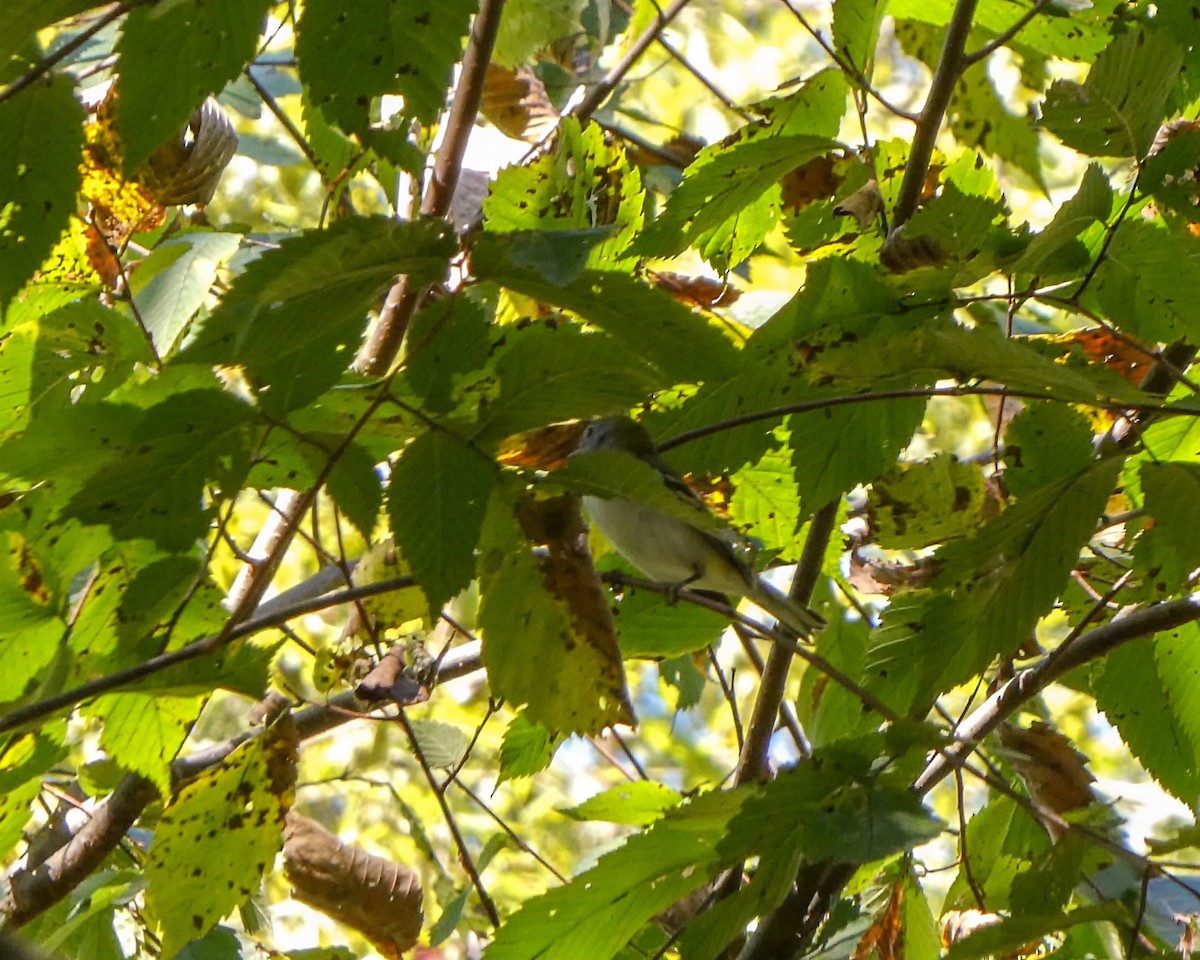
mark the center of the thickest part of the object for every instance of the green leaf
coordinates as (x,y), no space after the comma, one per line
(530,26)
(856,30)
(1117,110)
(436,502)
(209,43)
(42,133)
(192,880)
(766,504)
(405,47)
(979,118)
(722,184)
(172,283)
(447,345)
(1092,203)
(292,319)
(1149,282)
(1046,442)
(24,18)
(592,917)
(1171,492)
(835,449)
(31,632)
(636,804)
(1078,35)
(586,183)
(27,758)
(547,375)
(649,625)
(144,732)
(828,710)
(679,342)
(919,504)
(355,486)
(155,489)
(1162,730)
(527,748)
(443,745)
(1017,565)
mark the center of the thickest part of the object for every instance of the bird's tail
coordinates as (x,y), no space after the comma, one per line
(789,612)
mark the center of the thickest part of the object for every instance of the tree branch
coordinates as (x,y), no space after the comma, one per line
(33,892)
(950,67)
(401,303)
(1029,683)
(752,765)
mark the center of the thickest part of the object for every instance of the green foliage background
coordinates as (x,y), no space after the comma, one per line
(955,399)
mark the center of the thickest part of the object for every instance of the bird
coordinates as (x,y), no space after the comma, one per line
(668,549)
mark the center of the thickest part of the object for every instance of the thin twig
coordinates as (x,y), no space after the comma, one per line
(464,855)
(51,60)
(599,93)
(992,46)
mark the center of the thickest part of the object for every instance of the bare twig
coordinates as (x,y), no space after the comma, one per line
(992,46)
(51,60)
(464,855)
(599,93)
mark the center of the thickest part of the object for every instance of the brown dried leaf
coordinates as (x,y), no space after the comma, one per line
(901,254)
(516,102)
(1055,773)
(696,291)
(379,898)
(814,180)
(884,939)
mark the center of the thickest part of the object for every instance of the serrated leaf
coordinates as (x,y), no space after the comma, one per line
(192,882)
(548,375)
(722,184)
(405,47)
(527,748)
(155,490)
(436,502)
(915,505)
(833,450)
(172,283)
(1116,111)
(448,341)
(1091,203)
(354,484)
(27,758)
(592,917)
(1046,442)
(585,188)
(1016,932)
(649,625)
(1149,282)
(530,26)
(42,133)
(24,18)
(666,333)
(1171,491)
(293,317)
(1079,36)
(443,745)
(636,804)
(144,732)
(31,632)
(209,43)
(766,504)
(856,30)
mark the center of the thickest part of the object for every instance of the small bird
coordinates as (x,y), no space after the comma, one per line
(671,550)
